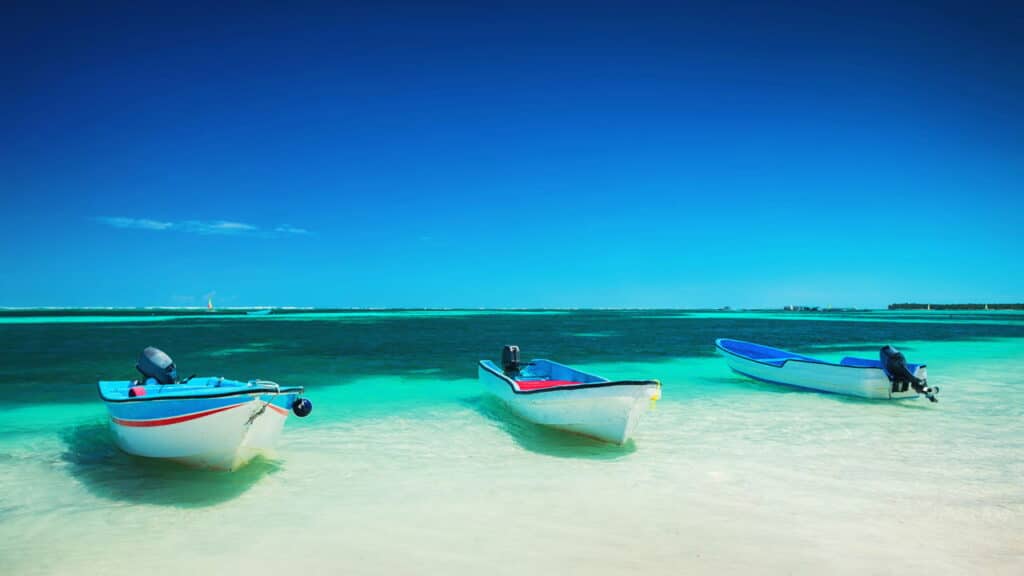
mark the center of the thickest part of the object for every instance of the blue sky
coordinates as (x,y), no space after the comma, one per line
(526,154)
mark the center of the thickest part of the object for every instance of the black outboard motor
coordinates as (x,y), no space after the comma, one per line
(510,360)
(154,363)
(894,364)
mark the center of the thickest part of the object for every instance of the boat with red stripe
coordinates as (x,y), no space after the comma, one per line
(558,396)
(210,422)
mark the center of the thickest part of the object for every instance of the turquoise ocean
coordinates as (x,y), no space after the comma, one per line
(405,467)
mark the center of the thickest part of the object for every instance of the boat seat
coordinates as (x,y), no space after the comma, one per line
(860,362)
(542,384)
(779,361)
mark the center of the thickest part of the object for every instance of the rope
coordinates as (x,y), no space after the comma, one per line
(258,413)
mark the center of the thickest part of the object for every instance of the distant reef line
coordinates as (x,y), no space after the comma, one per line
(915,306)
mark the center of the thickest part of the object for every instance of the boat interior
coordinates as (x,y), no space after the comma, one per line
(763,354)
(777,357)
(540,374)
(543,374)
(207,386)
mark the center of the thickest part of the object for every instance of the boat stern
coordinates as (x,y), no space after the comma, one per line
(903,390)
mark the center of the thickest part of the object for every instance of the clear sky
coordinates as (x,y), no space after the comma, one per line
(527,154)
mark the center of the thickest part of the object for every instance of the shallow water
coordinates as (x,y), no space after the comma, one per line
(405,467)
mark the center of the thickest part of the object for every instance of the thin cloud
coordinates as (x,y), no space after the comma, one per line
(288,229)
(136,223)
(217,227)
(202,227)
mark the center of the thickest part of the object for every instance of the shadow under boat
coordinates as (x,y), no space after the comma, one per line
(543,439)
(108,472)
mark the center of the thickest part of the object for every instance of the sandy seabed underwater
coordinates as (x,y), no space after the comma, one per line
(405,467)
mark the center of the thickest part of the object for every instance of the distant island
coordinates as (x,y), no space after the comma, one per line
(816,309)
(914,306)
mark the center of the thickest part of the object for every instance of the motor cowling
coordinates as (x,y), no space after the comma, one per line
(156,364)
(894,364)
(510,363)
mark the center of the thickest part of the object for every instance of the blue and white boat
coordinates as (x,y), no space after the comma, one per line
(206,422)
(558,396)
(888,377)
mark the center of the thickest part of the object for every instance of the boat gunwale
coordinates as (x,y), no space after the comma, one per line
(788,360)
(242,392)
(581,386)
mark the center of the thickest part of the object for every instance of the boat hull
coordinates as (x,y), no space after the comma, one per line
(835,379)
(222,435)
(609,413)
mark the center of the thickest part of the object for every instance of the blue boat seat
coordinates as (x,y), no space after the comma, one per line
(860,362)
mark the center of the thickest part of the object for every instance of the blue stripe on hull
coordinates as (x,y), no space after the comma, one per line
(147,409)
(819,390)
(159,409)
(283,401)
(765,380)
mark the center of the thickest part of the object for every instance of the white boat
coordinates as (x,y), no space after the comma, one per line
(889,377)
(205,422)
(558,396)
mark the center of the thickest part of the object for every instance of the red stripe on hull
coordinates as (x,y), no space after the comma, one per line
(174,420)
(278,409)
(541,384)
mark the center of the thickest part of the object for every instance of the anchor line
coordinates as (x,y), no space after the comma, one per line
(258,413)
